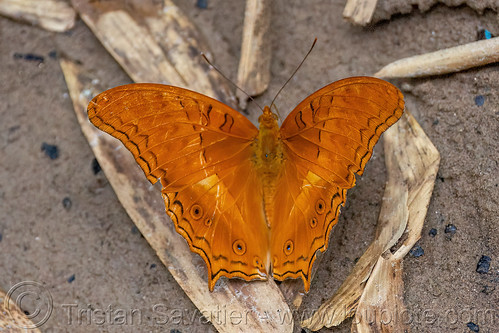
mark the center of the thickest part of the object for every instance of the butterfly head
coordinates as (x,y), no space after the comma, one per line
(268,119)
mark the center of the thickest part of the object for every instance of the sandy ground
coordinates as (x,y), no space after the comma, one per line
(62,225)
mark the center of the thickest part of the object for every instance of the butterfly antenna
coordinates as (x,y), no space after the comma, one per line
(296,70)
(225,77)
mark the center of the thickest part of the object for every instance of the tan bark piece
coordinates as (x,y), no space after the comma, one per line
(154,42)
(387,8)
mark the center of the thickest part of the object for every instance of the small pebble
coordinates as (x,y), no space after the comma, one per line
(487,290)
(71,278)
(442,179)
(51,151)
(484,34)
(473,327)
(135,230)
(175,331)
(479,100)
(53,54)
(433,232)
(203,4)
(66,203)
(0,237)
(483,265)
(152,266)
(95,166)
(416,251)
(450,229)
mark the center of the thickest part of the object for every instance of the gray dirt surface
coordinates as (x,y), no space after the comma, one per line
(89,255)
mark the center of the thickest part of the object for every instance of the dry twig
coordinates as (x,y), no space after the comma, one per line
(445,61)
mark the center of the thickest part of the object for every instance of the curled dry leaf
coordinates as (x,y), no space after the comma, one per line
(375,284)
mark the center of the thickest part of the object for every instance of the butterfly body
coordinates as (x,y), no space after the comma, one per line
(268,158)
(251,202)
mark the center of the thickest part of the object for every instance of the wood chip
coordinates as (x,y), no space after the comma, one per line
(445,61)
(52,15)
(359,12)
(375,284)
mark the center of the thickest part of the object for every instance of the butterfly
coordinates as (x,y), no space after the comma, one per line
(252,202)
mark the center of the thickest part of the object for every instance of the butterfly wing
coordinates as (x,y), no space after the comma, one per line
(327,139)
(200,149)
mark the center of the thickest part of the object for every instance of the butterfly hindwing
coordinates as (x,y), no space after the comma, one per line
(307,208)
(212,216)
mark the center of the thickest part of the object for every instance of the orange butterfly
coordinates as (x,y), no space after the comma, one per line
(251,202)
